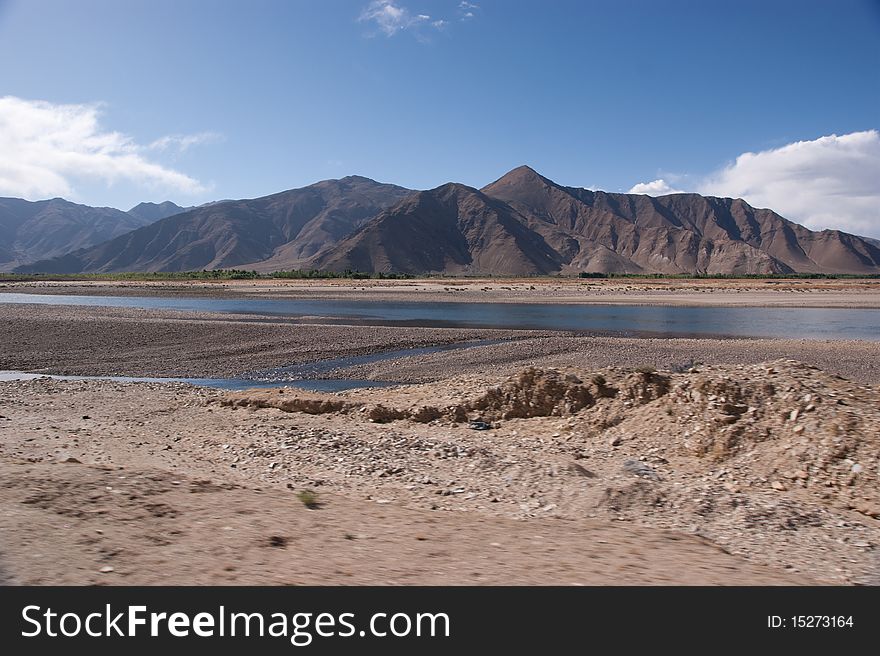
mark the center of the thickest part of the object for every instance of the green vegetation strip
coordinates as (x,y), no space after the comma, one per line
(310,274)
(218,274)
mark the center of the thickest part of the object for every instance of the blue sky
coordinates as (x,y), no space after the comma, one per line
(196,100)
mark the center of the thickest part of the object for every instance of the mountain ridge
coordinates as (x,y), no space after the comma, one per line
(601,232)
(233,233)
(521,224)
(35,230)
(156,211)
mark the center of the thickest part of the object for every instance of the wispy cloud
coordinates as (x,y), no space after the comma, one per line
(467,10)
(45,148)
(829,182)
(183,142)
(390,17)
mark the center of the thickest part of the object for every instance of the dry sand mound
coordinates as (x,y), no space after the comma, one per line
(536,393)
(791,422)
(784,420)
(777,461)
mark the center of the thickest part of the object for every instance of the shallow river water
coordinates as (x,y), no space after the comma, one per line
(795,323)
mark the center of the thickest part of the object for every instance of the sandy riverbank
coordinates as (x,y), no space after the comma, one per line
(197,531)
(130,342)
(654,483)
(846,293)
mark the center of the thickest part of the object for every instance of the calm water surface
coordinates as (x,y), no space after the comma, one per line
(797,323)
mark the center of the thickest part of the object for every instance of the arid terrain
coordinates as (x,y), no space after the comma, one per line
(776,292)
(599,459)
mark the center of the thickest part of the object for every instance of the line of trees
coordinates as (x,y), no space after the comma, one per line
(214,274)
(732,276)
(314,274)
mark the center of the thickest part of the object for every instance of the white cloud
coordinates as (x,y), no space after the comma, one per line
(657,187)
(391,17)
(829,182)
(183,142)
(466,9)
(46,147)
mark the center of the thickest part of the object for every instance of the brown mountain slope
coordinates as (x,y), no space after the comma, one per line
(521,224)
(31,231)
(453,229)
(679,233)
(526,224)
(150,212)
(283,228)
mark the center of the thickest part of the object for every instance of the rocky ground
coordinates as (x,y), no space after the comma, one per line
(777,459)
(603,460)
(856,360)
(771,468)
(94,341)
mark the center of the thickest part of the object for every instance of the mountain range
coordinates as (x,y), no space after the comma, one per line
(284,228)
(149,212)
(521,224)
(31,231)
